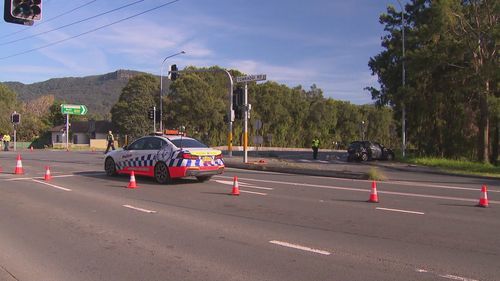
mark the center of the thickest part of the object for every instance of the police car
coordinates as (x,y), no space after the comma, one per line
(165,157)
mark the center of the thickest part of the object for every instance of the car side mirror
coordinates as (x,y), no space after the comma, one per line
(125,147)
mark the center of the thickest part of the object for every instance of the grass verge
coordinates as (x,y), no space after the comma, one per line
(458,166)
(376,175)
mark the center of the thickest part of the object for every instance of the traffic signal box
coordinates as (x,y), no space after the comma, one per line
(151,114)
(22,11)
(238,102)
(15,118)
(173,72)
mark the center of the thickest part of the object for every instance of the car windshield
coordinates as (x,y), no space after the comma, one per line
(188,142)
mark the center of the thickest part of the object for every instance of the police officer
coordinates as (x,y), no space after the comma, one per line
(315,147)
(111,141)
(6,140)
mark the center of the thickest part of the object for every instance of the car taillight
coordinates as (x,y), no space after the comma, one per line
(185,155)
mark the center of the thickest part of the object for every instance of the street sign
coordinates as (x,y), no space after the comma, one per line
(73,109)
(249,78)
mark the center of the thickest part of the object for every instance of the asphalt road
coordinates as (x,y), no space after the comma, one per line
(83,225)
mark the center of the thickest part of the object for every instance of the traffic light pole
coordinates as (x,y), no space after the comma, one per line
(67,131)
(245,125)
(15,144)
(154,119)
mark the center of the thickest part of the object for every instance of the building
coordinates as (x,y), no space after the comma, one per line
(82,134)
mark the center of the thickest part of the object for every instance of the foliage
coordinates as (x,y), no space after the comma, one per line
(8,102)
(129,114)
(452,71)
(376,175)
(458,166)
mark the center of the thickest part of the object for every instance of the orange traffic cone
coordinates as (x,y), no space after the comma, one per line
(483,200)
(47,174)
(132,183)
(373,194)
(19,166)
(236,188)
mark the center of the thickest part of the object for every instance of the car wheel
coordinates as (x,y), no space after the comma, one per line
(110,167)
(203,178)
(161,173)
(364,157)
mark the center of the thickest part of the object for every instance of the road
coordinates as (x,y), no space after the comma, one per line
(83,225)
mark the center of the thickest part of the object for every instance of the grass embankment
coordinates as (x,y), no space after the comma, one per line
(458,166)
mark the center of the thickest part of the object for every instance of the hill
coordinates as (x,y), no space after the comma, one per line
(99,92)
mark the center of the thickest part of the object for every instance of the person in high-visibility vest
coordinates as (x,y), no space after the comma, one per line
(315,148)
(111,141)
(6,141)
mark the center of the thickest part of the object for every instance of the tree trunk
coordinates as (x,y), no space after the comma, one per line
(483,149)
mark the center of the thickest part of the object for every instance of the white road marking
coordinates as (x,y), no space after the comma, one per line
(367,190)
(244,184)
(139,209)
(18,179)
(453,277)
(447,276)
(422,270)
(252,192)
(299,247)
(52,185)
(401,211)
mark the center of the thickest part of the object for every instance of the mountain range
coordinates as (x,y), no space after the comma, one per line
(98,92)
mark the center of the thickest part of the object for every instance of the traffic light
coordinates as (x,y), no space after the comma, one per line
(151,114)
(173,72)
(238,97)
(15,118)
(26,9)
(7,15)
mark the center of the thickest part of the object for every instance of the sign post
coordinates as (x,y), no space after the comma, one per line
(248,107)
(73,109)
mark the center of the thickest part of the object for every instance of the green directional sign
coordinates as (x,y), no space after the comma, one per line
(73,109)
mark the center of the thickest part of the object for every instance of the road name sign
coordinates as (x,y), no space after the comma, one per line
(249,78)
(73,109)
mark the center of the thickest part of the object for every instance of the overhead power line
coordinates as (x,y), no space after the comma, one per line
(89,31)
(71,24)
(48,20)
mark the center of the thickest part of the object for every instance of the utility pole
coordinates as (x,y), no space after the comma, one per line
(403,109)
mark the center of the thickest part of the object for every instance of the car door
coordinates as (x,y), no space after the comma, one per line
(128,161)
(377,151)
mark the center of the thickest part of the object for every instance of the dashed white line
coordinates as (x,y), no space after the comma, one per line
(401,211)
(52,185)
(252,192)
(453,277)
(299,247)
(139,209)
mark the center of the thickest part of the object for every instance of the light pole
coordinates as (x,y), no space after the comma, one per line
(161,87)
(403,110)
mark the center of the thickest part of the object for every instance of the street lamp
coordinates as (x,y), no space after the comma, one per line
(403,110)
(161,87)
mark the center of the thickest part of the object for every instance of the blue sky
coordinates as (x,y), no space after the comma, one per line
(327,43)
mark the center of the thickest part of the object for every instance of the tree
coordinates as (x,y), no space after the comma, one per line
(8,104)
(129,114)
(450,54)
